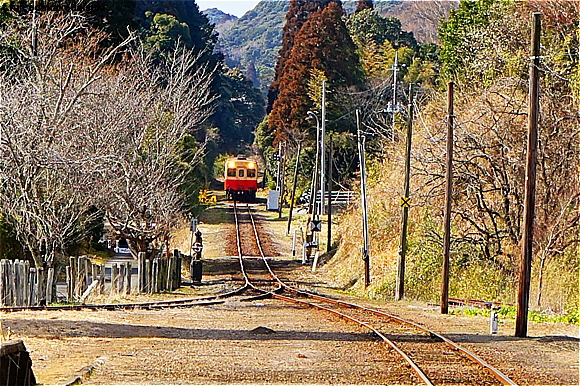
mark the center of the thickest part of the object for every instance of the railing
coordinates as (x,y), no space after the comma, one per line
(338,197)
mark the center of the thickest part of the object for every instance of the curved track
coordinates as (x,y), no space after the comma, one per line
(425,351)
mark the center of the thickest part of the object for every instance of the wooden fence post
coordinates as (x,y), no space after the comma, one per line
(69,283)
(26,285)
(40,279)
(2,275)
(114,279)
(17,290)
(147,277)
(12,274)
(32,284)
(128,279)
(49,283)
(86,273)
(170,267)
(102,279)
(78,272)
(140,272)
(155,276)
(121,286)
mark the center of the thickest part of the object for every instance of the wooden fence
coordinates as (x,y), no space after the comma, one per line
(84,278)
(159,274)
(23,286)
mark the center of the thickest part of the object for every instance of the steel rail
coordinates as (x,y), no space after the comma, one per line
(504,379)
(241,256)
(418,371)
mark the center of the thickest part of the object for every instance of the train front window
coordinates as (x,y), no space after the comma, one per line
(251,172)
(240,172)
(231,172)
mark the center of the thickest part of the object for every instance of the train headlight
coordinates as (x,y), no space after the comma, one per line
(231,165)
(251,165)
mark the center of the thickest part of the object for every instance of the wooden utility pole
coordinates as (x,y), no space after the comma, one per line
(329,176)
(530,190)
(322,146)
(448,192)
(363,195)
(294,180)
(405,202)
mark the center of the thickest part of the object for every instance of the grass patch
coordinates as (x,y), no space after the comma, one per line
(510,312)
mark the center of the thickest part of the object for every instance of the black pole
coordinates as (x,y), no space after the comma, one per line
(448,192)
(293,195)
(530,191)
(400,284)
(363,195)
(329,176)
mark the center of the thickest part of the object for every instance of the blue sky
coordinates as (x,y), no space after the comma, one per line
(233,7)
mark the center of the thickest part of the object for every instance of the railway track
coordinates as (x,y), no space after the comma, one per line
(433,358)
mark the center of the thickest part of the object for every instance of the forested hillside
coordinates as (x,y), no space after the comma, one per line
(483,47)
(251,42)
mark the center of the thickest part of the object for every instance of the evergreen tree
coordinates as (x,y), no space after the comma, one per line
(240,110)
(295,18)
(322,48)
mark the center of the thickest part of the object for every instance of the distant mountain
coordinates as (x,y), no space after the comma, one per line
(251,42)
(222,21)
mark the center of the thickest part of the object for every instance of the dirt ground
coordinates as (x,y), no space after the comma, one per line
(265,342)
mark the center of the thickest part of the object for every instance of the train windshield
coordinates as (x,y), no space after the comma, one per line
(231,172)
(251,172)
(241,173)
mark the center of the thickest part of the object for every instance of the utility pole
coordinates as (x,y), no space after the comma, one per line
(395,68)
(363,197)
(530,190)
(294,180)
(282,172)
(329,175)
(448,192)
(322,147)
(405,202)
(314,185)
(278,168)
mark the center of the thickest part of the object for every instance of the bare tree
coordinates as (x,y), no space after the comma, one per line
(149,110)
(83,133)
(44,181)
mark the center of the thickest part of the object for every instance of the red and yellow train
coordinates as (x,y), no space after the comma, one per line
(241,178)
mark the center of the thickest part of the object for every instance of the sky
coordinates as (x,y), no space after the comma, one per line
(233,7)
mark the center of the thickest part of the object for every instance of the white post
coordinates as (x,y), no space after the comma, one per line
(493,322)
(294,244)
(315,262)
